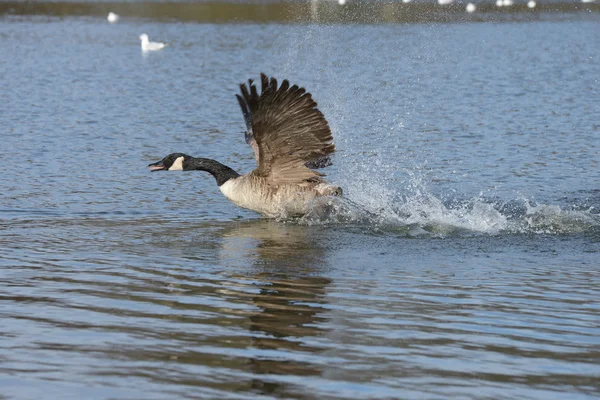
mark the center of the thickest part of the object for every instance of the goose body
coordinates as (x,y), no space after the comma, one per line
(288,200)
(290,138)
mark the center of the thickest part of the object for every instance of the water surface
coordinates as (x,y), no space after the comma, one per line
(463,262)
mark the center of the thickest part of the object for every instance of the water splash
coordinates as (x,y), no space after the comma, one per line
(552,219)
(421,213)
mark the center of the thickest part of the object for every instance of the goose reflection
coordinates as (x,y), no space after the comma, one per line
(207,308)
(286,261)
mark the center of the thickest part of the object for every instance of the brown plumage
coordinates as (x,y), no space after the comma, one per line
(286,130)
(290,138)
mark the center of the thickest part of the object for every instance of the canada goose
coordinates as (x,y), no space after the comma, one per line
(147,45)
(290,138)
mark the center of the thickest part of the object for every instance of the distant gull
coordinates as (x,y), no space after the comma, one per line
(112,17)
(444,2)
(531,4)
(406,1)
(150,46)
(341,2)
(587,1)
(504,3)
(471,7)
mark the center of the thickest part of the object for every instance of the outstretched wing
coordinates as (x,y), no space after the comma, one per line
(286,130)
(248,135)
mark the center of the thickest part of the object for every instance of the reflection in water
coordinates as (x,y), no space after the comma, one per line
(166,312)
(187,309)
(290,299)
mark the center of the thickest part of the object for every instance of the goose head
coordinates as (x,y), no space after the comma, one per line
(172,162)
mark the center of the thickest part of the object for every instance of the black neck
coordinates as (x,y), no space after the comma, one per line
(222,173)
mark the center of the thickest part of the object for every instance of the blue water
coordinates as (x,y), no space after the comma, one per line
(462,263)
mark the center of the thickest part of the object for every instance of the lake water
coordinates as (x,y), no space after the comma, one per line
(464,262)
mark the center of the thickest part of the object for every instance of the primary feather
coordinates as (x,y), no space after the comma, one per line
(286,130)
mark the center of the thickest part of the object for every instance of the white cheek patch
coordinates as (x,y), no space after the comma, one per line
(177,165)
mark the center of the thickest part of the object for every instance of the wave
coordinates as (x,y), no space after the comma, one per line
(425,214)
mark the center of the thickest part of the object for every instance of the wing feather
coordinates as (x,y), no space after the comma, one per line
(288,132)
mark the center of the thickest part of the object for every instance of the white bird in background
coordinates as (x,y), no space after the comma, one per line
(406,1)
(471,8)
(587,1)
(341,2)
(150,46)
(504,3)
(112,17)
(444,2)
(531,4)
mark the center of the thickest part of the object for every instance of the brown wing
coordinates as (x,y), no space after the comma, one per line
(287,128)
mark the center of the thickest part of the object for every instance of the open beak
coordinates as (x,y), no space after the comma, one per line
(157,166)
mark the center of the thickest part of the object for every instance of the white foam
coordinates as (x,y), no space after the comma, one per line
(420,213)
(552,219)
